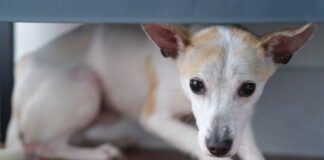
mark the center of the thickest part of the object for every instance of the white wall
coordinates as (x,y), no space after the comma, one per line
(30,36)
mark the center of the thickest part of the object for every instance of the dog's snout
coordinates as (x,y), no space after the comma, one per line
(219,144)
(220,148)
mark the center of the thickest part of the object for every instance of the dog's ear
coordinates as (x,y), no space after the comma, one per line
(283,44)
(170,39)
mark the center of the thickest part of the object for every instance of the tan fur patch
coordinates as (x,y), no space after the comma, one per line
(194,61)
(203,48)
(246,36)
(262,71)
(152,82)
(197,54)
(205,36)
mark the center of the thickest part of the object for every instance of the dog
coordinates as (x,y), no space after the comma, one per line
(217,73)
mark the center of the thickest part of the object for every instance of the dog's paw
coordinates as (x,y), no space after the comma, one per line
(108,152)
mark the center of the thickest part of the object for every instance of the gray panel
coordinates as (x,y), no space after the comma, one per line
(171,11)
(289,118)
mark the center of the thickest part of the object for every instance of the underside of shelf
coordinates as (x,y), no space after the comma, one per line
(166,11)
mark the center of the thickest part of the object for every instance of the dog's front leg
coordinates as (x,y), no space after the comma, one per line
(249,149)
(180,135)
(14,149)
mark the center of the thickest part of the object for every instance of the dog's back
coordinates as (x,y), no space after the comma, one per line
(120,55)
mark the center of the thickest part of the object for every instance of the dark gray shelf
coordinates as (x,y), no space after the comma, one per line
(169,11)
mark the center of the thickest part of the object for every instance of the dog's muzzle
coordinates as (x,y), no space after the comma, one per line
(219,143)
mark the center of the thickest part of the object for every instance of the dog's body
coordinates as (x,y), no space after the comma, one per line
(60,87)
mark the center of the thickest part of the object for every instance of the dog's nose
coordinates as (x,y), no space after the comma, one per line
(219,144)
(221,148)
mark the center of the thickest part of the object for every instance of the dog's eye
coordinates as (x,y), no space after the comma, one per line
(197,86)
(246,89)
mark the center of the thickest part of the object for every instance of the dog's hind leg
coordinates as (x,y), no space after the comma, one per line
(62,105)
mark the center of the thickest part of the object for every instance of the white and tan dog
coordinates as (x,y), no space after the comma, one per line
(219,71)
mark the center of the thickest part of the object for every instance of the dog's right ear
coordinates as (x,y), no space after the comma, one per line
(171,39)
(282,45)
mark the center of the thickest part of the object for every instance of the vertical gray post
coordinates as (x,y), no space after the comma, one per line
(6,75)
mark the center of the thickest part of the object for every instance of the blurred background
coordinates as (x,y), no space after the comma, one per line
(289,117)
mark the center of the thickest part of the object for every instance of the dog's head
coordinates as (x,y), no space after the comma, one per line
(223,70)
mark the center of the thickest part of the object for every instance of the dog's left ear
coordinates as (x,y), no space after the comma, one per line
(283,44)
(170,39)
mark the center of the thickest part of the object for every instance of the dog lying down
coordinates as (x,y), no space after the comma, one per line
(217,73)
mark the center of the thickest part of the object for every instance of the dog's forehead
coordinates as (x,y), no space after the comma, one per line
(223,33)
(215,47)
